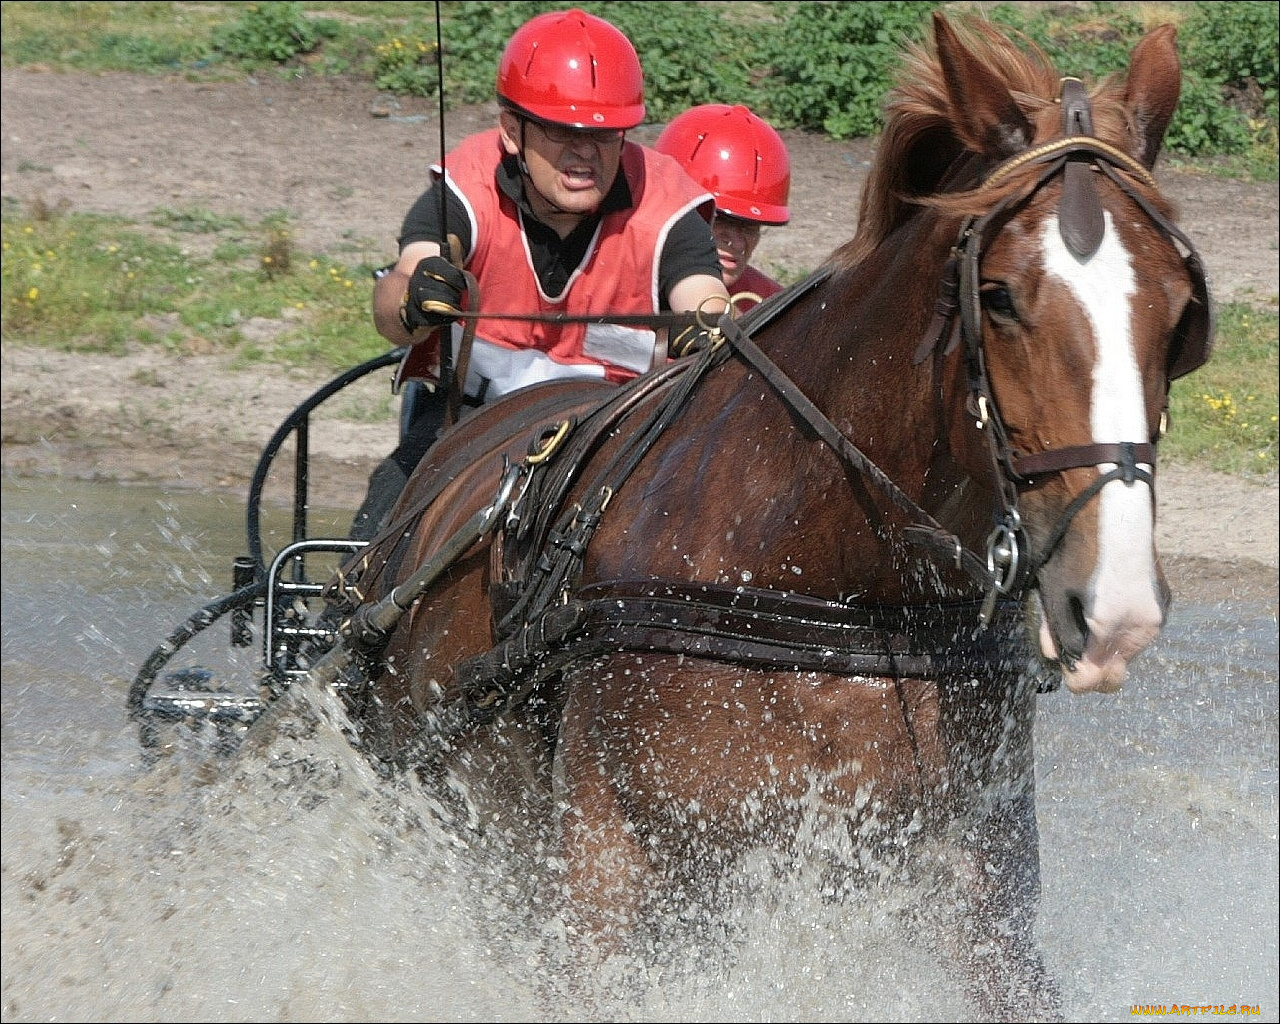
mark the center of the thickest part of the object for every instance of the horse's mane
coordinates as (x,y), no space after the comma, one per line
(924,136)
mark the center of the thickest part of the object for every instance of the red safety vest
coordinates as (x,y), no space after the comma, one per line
(618,274)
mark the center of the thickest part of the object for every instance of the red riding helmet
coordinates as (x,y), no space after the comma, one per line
(735,156)
(572,68)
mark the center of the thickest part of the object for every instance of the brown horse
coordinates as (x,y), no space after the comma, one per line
(794,581)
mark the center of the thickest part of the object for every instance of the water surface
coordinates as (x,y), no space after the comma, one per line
(302,887)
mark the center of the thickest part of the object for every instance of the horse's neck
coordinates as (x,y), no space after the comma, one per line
(851,349)
(742,489)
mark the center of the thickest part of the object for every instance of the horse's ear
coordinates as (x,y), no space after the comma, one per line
(1152,89)
(986,117)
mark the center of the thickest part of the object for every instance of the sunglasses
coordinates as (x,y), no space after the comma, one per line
(562,135)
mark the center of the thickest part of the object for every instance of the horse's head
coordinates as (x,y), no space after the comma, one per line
(1077,301)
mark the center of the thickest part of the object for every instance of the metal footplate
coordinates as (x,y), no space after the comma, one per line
(190,694)
(190,697)
(290,629)
(294,634)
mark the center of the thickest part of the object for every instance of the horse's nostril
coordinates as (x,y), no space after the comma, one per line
(1076,604)
(1072,647)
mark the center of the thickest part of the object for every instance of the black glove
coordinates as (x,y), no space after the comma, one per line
(434,296)
(691,340)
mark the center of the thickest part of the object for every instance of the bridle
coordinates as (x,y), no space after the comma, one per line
(1075,157)
(1003,569)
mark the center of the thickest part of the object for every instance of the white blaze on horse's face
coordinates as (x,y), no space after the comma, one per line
(1124,611)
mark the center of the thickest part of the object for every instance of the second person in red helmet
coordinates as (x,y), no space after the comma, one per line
(556,212)
(741,160)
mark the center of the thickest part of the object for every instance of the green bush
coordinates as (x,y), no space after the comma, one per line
(1231,64)
(1202,126)
(268,32)
(1234,44)
(406,65)
(824,67)
(831,65)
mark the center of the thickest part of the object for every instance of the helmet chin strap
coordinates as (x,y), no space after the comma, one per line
(524,167)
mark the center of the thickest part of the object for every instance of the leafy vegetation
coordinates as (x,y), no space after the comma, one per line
(834,61)
(275,32)
(823,67)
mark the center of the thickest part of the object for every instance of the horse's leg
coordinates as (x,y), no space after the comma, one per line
(984,910)
(1013,982)
(607,872)
(993,861)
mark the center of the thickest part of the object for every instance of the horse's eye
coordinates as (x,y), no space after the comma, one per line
(998,303)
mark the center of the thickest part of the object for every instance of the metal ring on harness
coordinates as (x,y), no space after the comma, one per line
(738,298)
(547,445)
(1002,553)
(701,313)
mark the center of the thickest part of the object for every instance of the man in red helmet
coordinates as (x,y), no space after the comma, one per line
(743,162)
(556,213)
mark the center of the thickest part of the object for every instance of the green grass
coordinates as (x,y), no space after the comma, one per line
(138,37)
(104,284)
(1223,416)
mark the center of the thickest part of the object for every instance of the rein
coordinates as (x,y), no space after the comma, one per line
(654,320)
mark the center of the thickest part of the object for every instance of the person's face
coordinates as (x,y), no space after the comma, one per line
(736,240)
(570,169)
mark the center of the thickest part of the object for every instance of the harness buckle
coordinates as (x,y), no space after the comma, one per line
(1003,554)
(984,412)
